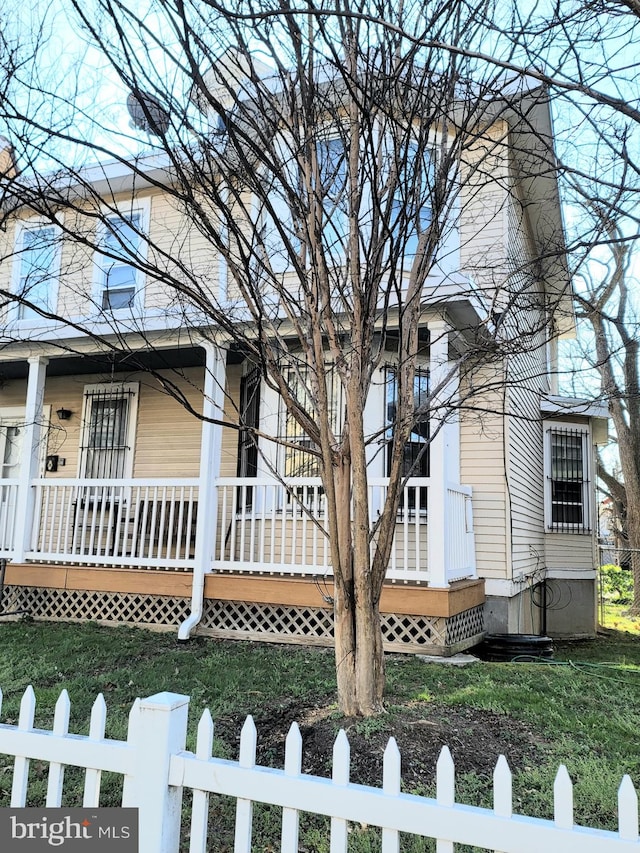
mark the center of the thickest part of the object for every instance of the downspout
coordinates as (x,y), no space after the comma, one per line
(210,454)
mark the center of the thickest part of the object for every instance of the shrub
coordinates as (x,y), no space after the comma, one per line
(616,584)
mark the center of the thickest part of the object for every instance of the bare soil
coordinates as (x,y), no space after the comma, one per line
(476,738)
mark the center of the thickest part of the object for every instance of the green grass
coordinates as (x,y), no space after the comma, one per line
(583,709)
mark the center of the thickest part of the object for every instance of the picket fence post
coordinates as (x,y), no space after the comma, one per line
(159,732)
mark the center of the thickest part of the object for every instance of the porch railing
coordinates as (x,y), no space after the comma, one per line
(281,527)
(149,523)
(261,525)
(8,502)
(460,540)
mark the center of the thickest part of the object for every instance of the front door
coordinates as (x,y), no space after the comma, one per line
(247,441)
(11,438)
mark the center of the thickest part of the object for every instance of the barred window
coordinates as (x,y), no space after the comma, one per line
(297,461)
(106,451)
(568,482)
(415,461)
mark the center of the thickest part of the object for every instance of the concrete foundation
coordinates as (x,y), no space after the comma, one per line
(571,610)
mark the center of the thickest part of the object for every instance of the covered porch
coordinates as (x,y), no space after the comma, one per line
(61,529)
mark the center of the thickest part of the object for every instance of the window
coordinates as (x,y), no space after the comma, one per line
(332,166)
(415,461)
(297,462)
(567,505)
(275,235)
(411,209)
(119,278)
(108,431)
(38,266)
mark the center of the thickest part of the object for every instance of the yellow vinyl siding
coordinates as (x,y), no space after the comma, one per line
(180,248)
(527,373)
(168,436)
(483,209)
(482,467)
(568,551)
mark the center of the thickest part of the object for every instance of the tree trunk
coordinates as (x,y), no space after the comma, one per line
(358,637)
(633,537)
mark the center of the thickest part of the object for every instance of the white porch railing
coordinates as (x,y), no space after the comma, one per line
(281,527)
(262,525)
(461,548)
(116,522)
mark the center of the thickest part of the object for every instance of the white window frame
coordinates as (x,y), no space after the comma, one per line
(105,391)
(22,227)
(103,263)
(551,526)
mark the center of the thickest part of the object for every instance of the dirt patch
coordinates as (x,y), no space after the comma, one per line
(476,738)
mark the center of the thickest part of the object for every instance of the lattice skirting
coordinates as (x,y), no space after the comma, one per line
(70,605)
(241,619)
(280,623)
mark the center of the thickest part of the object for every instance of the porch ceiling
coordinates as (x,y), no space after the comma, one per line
(73,365)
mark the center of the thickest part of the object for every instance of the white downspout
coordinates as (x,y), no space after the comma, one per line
(210,454)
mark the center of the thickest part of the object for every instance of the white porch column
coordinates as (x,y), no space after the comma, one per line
(210,456)
(29,465)
(444,450)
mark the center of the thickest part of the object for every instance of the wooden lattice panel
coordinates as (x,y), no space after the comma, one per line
(82,606)
(413,630)
(295,624)
(251,618)
(463,626)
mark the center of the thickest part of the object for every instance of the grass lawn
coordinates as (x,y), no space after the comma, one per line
(582,710)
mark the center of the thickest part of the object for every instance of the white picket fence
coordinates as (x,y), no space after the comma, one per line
(157,769)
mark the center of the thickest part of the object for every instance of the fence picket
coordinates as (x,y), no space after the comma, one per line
(21,764)
(340,776)
(244,808)
(129,786)
(391,779)
(563,799)
(93,776)
(292,767)
(445,791)
(627,810)
(200,808)
(502,790)
(56,770)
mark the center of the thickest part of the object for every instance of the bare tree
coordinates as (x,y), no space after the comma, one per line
(324,156)
(607,303)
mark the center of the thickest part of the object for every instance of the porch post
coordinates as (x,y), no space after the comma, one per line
(210,454)
(29,464)
(443,451)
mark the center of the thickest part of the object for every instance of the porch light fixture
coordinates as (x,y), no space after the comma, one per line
(63,414)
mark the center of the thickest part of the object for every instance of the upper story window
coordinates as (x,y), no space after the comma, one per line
(568,484)
(411,209)
(37,269)
(332,168)
(121,250)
